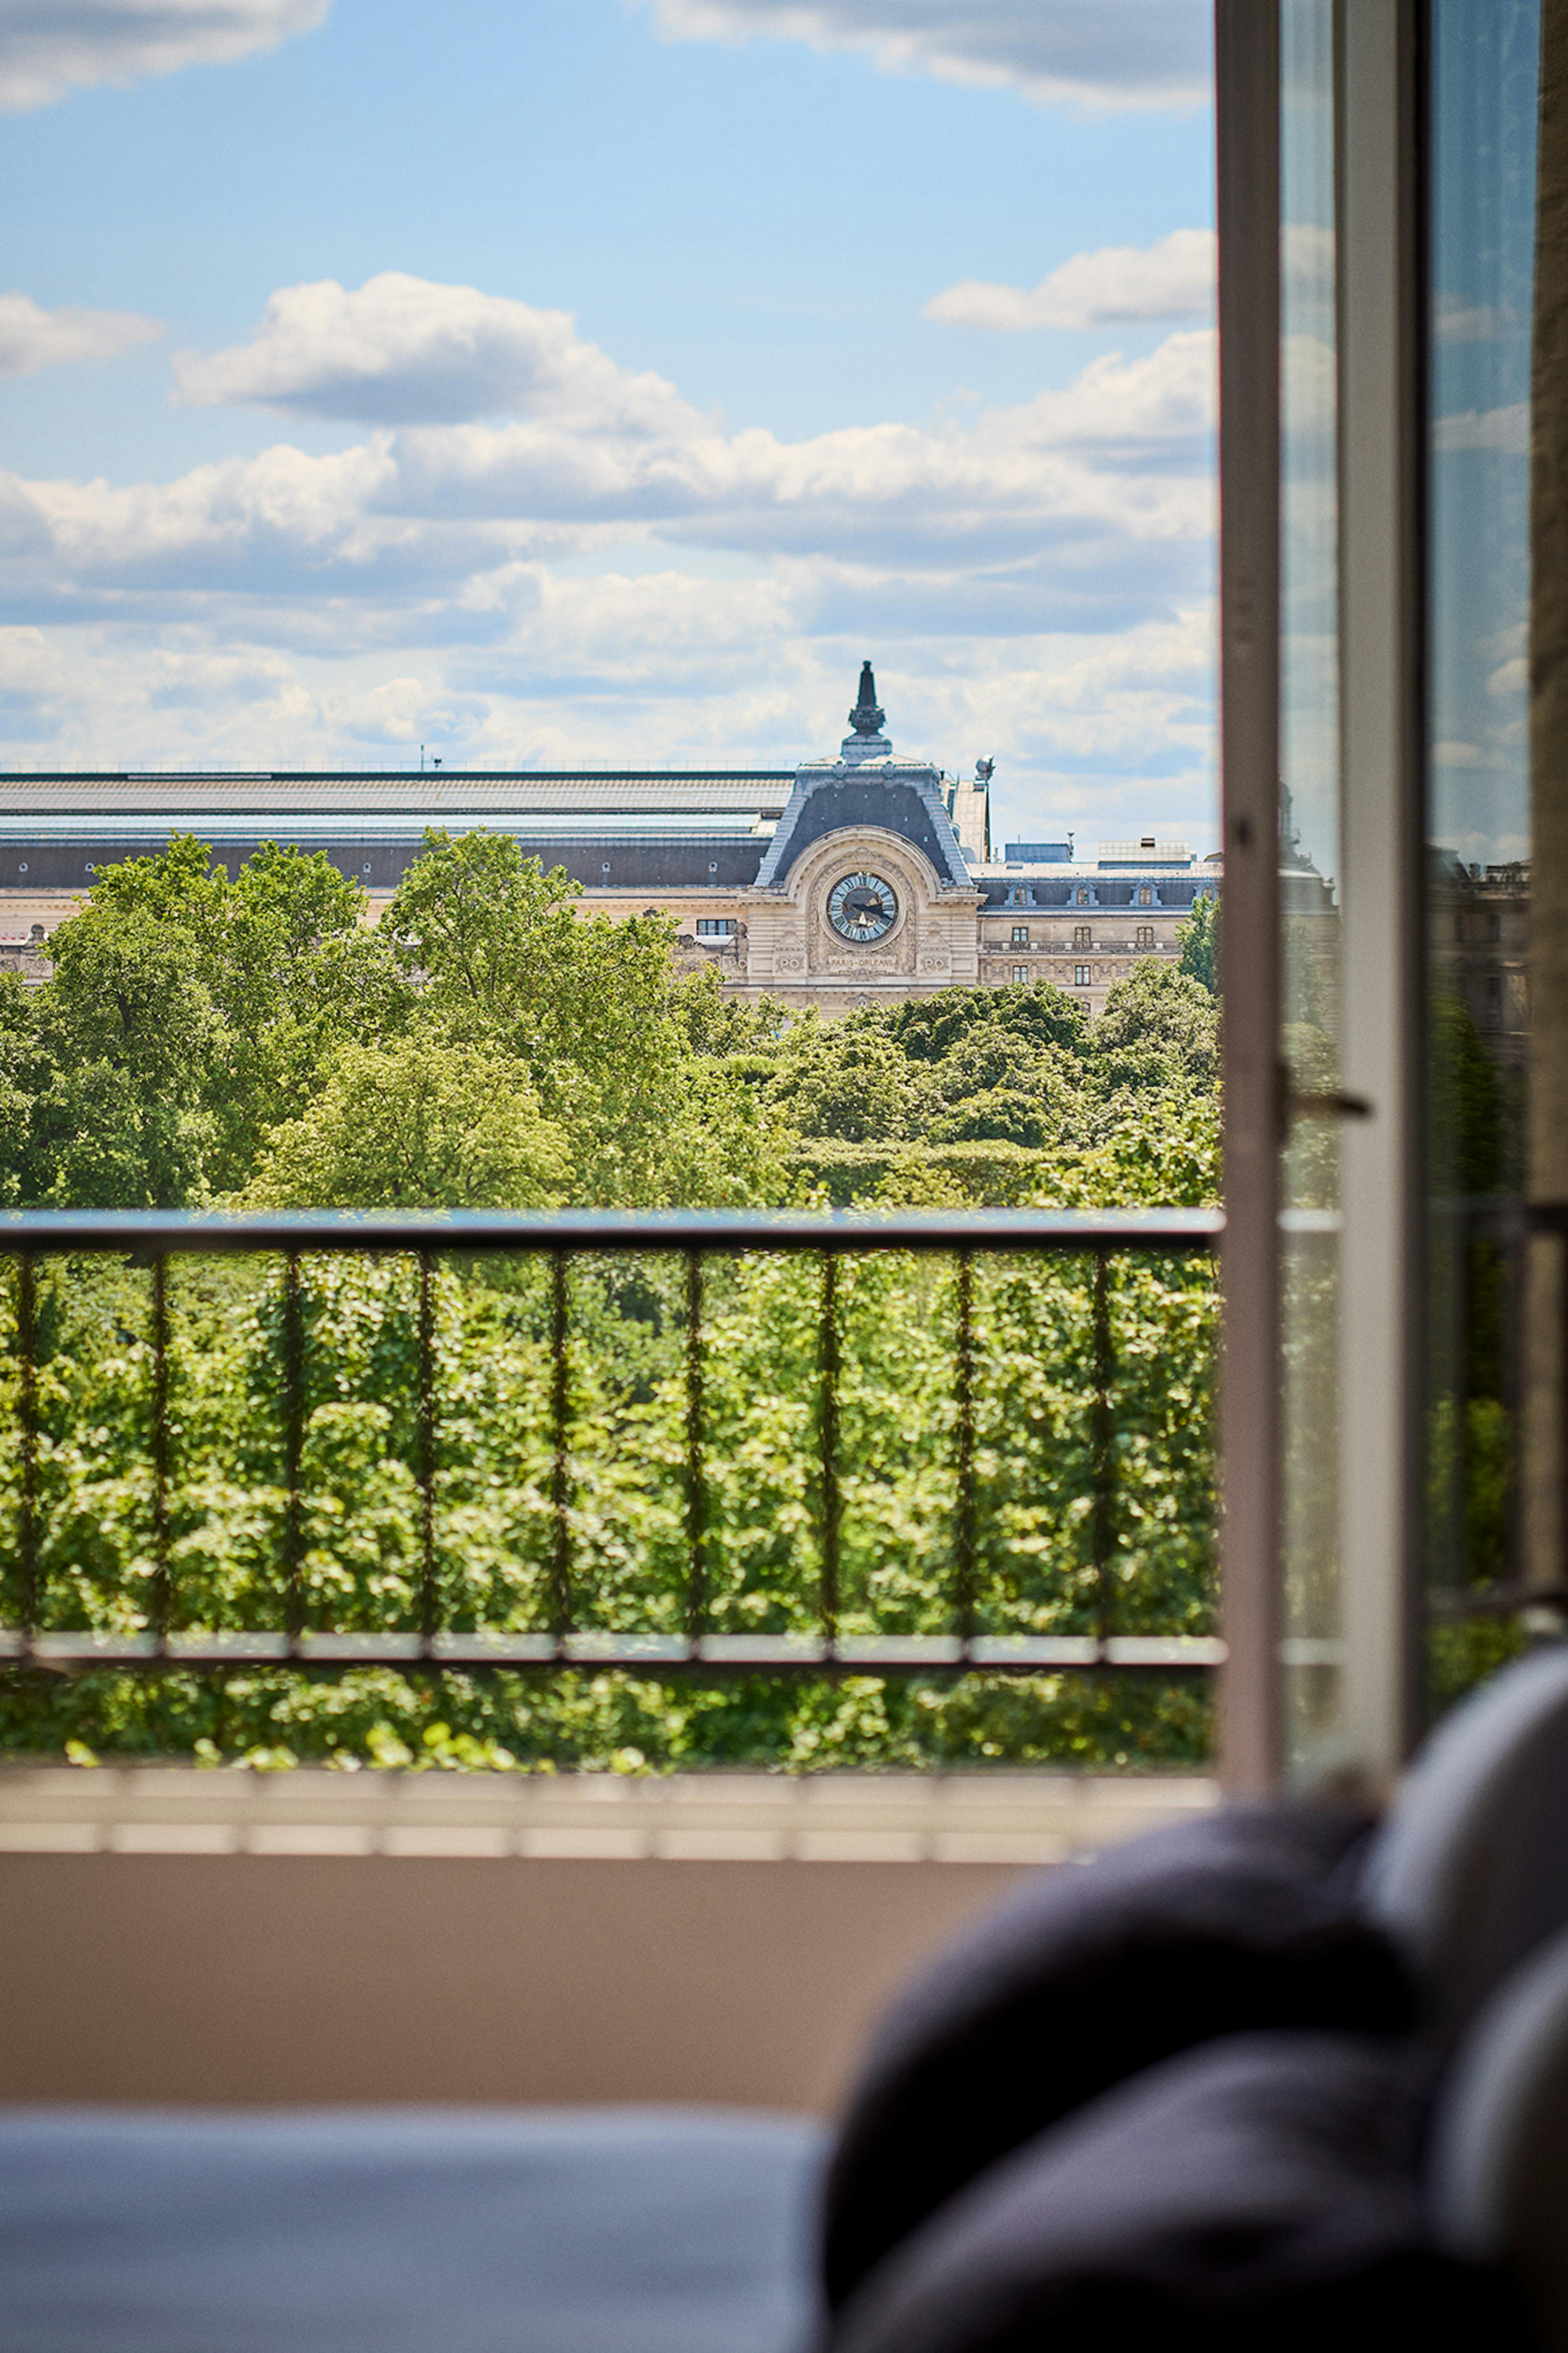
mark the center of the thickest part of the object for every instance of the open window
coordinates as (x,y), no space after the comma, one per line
(1394,1397)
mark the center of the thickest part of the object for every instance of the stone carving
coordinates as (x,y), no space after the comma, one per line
(867,715)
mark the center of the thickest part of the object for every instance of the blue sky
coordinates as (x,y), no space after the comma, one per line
(595,381)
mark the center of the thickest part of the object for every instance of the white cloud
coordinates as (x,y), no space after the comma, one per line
(610,576)
(1088,509)
(51,46)
(1096,55)
(628,673)
(31,338)
(1454,755)
(1124,451)
(405,351)
(1100,491)
(1114,287)
(1456,321)
(1505,429)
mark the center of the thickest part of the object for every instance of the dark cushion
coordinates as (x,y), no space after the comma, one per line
(1241,1920)
(1257,2196)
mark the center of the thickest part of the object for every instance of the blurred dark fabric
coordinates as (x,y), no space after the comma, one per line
(1245,1919)
(1260,2194)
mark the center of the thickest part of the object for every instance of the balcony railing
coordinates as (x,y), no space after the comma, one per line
(408,1479)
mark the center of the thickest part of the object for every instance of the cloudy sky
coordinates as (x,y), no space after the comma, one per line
(596,382)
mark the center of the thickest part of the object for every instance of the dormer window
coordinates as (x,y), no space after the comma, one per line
(1145,895)
(1080,896)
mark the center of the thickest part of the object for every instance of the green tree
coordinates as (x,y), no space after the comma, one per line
(1201,940)
(996,1084)
(1467,1127)
(1160,1028)
(296,976)
(187,1012)
(928,1027)
(500,958)
(23,1067)
(420,1124)
(131,1031)
(845,1079)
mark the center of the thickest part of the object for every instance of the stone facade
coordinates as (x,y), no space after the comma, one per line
(848,882)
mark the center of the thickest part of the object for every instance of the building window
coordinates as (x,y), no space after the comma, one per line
(1145,936)
(1020,975)
(714,927)
(1020,935)
(1145,896)
(1080,897)
(1082,937)
(1080,976)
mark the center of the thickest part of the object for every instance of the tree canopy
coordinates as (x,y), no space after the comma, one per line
(257,1037)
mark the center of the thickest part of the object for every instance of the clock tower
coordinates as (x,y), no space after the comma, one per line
(864,892)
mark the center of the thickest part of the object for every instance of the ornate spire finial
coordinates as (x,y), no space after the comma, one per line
(867,715)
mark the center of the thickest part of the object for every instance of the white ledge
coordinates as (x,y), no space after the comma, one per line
(1026,1818)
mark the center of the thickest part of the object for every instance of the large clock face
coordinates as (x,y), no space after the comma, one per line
(862,907)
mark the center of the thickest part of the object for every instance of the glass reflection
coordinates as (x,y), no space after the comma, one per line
(1483,92)
(1308,860)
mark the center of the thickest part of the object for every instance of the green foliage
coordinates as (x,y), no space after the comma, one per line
(1202,941)
(502,963)
(834,1078)
(495,1528)
(1466,1131)
(256,1039)
(1159,1029)
(928,1027)
(417,1124)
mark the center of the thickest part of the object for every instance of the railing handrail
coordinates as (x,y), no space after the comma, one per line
(44,1232)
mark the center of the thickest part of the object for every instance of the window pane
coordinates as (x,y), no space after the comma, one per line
(1310,862)
(1482,199)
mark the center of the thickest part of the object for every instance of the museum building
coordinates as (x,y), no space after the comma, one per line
(841,882)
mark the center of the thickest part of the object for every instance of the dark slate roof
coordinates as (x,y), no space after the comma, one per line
(658,829)
(903,799)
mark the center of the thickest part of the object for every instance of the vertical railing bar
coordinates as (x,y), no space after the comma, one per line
(828,1440)
(964,1593)
(293,1449)
(1514,1247)
(159,1611)
(559,1484)
(27,1414)
(696,1469)
(1102,1447)
(429,1603)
